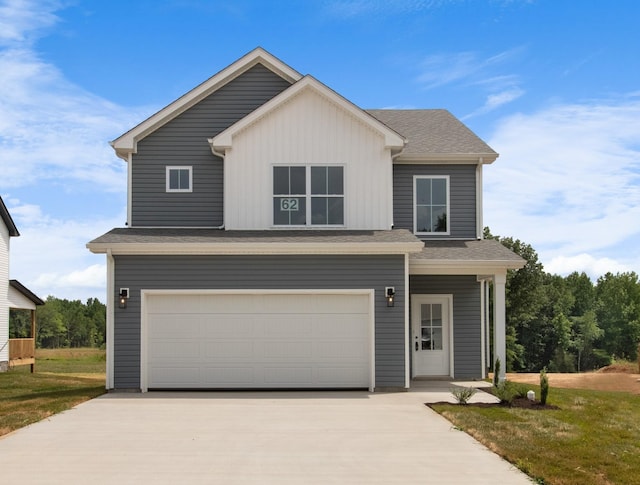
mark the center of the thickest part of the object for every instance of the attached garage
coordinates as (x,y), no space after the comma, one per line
(257,339)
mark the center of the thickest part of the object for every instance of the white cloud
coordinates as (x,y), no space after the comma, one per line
(22,20)
(469,70)
(568,182)
(50,256)
(496,100)
(591,265)
(55,129)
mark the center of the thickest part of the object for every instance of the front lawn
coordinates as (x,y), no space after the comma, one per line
(593,438)
(63,379)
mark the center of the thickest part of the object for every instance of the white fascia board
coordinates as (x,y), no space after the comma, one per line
(126,143)
(462,267)
(236,248)
(224,140)
(431,158)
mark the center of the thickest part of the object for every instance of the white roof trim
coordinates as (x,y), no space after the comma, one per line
(256,248)
(127,142)
(461,267)
(486,158)
(224,140)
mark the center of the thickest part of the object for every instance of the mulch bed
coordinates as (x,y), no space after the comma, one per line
(518,402)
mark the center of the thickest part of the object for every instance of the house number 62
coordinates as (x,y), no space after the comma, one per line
(289,204)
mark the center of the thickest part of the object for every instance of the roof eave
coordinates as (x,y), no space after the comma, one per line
(484,158)
(239,248)
(8,220)
(26,292)
(462,267)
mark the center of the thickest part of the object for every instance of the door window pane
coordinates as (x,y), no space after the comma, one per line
(431,326)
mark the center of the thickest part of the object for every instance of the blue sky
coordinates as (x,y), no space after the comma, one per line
(552,85)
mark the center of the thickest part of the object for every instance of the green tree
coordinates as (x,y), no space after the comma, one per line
(51,330)
(618,313)
(19,323)
(585,332)
(583,291)
(524,301)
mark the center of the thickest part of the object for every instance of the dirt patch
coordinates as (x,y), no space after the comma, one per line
(597,381)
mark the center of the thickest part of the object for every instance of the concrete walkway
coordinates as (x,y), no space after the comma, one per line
(249,437)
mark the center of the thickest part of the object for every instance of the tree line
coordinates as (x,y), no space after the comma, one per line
(568,324)
(63,323)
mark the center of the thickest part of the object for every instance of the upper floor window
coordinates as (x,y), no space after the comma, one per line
(308,195)
(431,204)
(179,179)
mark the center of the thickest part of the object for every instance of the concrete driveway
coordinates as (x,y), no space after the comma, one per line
(267,437)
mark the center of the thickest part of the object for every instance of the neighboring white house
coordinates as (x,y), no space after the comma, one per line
(13,295)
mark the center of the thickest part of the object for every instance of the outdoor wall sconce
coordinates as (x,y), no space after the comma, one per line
(390,294)
(123,297)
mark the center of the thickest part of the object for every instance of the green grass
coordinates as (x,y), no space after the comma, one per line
(63,379)
(593,438)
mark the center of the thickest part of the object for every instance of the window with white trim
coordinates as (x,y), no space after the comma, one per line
(431,204)
(179,179)
(308,195)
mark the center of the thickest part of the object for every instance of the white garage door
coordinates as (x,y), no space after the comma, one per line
(257,340)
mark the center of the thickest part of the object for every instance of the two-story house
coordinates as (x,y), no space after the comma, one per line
(279,236)
(13,295)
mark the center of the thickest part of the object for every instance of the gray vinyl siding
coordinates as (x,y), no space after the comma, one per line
(183,142)
(462,188)
(262,272)
(466,318)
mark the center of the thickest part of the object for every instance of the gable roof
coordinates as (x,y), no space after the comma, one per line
(26,292)
(8,221)
(392,138)
(434,134)
(126,143)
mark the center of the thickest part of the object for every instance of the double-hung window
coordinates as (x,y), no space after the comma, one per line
(431,204)
(308,195)
(179,179)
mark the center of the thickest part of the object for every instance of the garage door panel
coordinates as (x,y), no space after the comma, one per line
(226,326)
(175,376)
(348,376)
(161,351)
(288,351)
(258,341)
(213,377)
(228,350)
(288,376)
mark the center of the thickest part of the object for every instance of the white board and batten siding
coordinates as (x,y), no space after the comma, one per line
(4,293)
(308,129)
(257,339)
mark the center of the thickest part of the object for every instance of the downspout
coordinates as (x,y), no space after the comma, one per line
(224,184)
(393,157)
(479,219)
(110,380)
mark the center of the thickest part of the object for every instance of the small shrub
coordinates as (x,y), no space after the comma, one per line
(544,386)
(506,391)
(463,394)
(496,373)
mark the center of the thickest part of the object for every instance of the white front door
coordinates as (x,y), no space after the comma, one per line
(430,334)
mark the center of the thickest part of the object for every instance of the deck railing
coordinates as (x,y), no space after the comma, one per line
(22,351)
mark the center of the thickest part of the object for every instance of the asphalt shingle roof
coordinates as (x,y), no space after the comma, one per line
(213,236)
(473,250)
(432,132)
